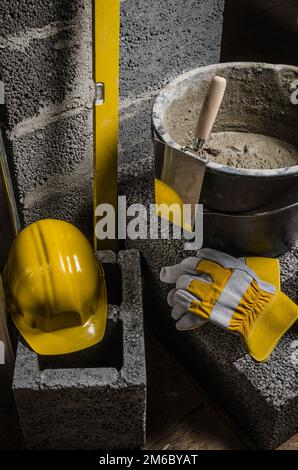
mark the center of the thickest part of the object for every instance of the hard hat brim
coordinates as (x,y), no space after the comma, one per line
(67,340)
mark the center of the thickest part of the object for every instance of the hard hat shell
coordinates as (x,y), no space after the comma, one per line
(55,288)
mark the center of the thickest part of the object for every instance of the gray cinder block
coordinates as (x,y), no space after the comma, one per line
(93,399)
(60,187)
(160,39)
(57,64)
(261,398)
(26,14)
(46,64)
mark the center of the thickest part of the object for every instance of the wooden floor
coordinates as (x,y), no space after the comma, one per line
(178,416)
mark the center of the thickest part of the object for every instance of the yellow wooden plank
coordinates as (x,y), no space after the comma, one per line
(106,72)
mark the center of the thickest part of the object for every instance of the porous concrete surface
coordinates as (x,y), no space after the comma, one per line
(261,398)
(93,399)
(46,64)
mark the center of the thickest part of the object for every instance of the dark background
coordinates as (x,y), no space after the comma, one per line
(261,31)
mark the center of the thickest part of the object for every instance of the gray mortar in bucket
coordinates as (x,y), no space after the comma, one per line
(257,103)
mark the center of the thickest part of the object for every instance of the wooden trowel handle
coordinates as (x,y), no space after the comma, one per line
(210,108)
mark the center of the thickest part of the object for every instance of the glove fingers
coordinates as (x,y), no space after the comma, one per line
(184,281)
(170,297)
(198,285)
(170,274)
(181,300)
(178,311)
(229,262)
(190,321)
(225,260)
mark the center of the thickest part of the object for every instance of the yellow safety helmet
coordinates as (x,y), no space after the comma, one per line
(55,288)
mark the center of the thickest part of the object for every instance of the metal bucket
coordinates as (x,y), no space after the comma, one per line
(262,234)
(268,232)
(258,100)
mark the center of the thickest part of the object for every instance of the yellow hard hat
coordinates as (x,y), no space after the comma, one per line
(55,288)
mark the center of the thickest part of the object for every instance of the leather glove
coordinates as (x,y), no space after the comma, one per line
(217,287)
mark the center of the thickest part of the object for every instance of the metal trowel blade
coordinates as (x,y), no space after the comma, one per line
(179,178)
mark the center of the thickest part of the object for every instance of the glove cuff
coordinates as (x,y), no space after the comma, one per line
(270,326)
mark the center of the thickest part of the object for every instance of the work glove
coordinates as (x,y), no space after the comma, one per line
(217,287)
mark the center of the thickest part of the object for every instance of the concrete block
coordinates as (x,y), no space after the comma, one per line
(54,170)
(161,39)
(46,73)
(54,150)
(261,398)
(67,197)
(93,399)
(27,14)
(135,135)
(46,64)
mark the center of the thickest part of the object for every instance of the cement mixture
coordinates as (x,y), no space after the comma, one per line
(247,150)
(256,125)
(238,149)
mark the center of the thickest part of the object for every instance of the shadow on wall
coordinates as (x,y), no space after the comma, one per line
(261,31)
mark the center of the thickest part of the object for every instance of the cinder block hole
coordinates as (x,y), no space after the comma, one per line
(113,283)
(107,353)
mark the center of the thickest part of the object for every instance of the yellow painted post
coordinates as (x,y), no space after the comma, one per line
(106,76)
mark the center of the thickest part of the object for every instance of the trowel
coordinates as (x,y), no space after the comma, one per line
(179,172)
